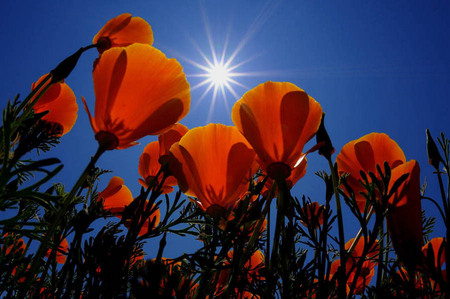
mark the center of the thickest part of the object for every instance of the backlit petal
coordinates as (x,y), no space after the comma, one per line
(277,119)
(364,154)
(215,165)
(139,92)
(404,221)
(115,196)
(61,103)
(125,30)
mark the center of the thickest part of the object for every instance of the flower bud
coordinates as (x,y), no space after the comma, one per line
(64,69)
(434,158)
(327,148)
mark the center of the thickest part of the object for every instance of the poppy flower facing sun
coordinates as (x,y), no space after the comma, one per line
(139,92)
(215,164)
(277,119)
(122,31)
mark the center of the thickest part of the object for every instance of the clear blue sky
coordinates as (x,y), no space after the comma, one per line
(381,66)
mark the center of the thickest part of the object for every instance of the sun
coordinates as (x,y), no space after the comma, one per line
(219,74)
(222,72)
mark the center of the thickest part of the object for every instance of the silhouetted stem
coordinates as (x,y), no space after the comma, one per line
(438,207)
(444,197)
(256,232)
(342,252)
(358,235)
(380,271)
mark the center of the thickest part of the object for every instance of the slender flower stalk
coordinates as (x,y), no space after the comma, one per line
(342,251)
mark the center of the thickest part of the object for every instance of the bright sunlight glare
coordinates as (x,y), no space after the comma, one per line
(220,71)
(219,74)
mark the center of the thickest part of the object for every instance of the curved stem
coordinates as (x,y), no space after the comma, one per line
(438,207)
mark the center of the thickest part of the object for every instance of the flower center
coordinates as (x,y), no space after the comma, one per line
(103,44)
(106,140)
(278,170)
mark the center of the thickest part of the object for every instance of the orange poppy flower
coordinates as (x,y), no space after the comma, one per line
(60,102)
(404,220)
(60,256)
(139,92)
(314,218)
(149,168)
(122,31)
(367,269)
(277,119)
(115,196)
(364,154)
(214,164)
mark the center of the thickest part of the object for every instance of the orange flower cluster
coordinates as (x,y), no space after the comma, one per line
(140,92)
(276,119)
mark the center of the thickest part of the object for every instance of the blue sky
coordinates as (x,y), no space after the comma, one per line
(381,66)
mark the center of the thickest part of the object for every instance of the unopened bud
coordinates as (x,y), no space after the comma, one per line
(434,158)
(64,69)
(327,148)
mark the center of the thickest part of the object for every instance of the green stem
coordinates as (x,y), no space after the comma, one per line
(380,270)
(342,252)
(444,198)
(358,235)
(256,232)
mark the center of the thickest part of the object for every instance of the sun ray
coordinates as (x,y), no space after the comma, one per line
(204,94)
(220,71)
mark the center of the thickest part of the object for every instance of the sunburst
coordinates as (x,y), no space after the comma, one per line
(221,74)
